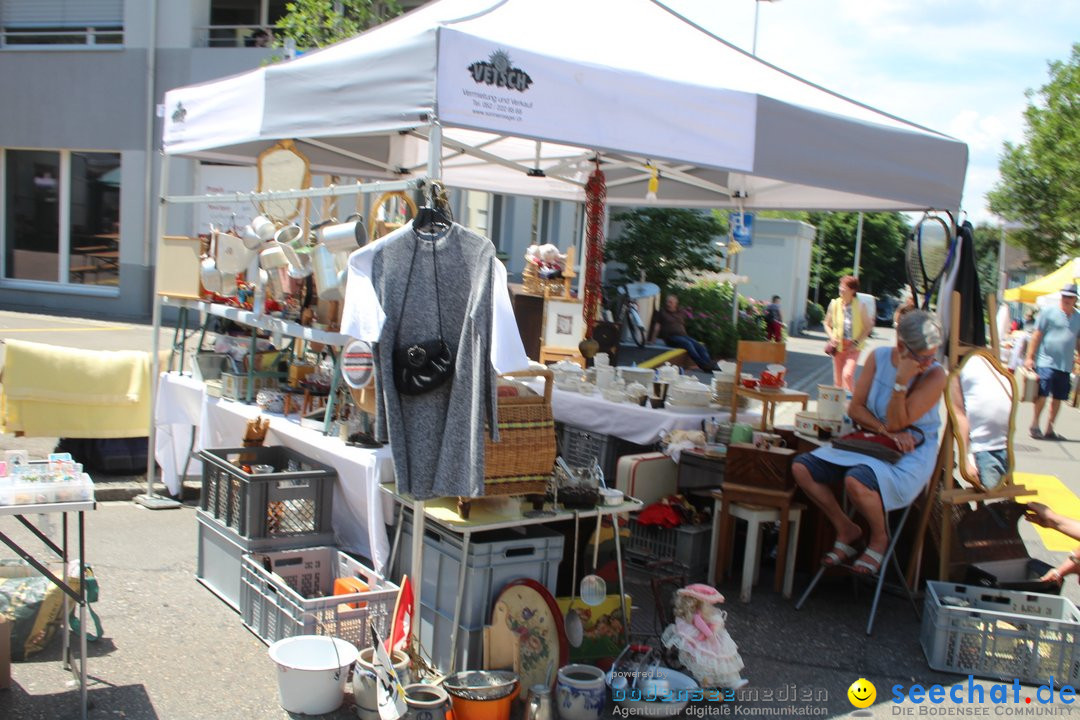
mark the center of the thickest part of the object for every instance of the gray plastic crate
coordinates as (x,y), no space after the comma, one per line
(1001,634)
(495,558)
(291,592)
(686,545)
(435,638)
(293,501)
(220,551)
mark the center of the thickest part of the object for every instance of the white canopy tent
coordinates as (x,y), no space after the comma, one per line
(519,97)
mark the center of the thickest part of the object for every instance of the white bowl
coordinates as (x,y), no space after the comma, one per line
(611,496)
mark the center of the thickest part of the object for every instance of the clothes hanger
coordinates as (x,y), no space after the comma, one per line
(435,215)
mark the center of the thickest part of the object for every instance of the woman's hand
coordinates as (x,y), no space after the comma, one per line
(1040,515)
(904,440)
(907,367)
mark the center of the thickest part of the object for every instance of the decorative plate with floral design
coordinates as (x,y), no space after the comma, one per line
(534,617)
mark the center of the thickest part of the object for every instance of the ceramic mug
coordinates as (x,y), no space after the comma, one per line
(273,257)
(263,227)
(580,691)
(742,433)
(346,236)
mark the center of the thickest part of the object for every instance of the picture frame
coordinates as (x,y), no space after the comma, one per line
(563,325)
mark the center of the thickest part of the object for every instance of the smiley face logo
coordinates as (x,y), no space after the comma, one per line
(862,693)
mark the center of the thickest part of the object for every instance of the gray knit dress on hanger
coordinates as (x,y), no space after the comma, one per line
(436,439)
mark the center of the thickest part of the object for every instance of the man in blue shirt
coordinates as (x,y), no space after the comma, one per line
(1050,353)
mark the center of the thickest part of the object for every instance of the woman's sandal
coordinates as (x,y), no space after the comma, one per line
(869,563)
(840,554)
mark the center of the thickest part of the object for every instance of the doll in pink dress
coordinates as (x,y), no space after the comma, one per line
(705,648)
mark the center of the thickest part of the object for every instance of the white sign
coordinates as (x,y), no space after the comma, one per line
(224,179)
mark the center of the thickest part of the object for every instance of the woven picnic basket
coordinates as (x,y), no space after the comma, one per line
(521,462)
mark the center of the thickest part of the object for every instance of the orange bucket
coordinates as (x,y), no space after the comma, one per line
(465,709)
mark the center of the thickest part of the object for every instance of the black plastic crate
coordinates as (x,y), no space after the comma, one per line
(686,545)
(291,501)
(579,447)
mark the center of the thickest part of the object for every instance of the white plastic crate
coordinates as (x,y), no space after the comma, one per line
(288,593)
(1001,634)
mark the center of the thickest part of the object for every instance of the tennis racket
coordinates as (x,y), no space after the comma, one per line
(927,256)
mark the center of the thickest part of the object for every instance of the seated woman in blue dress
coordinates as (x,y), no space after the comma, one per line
(899,387)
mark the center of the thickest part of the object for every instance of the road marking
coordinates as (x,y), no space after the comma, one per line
(67,329)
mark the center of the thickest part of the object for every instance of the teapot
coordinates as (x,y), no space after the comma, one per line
(668,373)
(564,370)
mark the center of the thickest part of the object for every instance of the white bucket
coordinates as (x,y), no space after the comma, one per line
(311,672)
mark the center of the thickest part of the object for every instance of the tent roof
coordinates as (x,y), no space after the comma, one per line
(527,94)
(1051,283)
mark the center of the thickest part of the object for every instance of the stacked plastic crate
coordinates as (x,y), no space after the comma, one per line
(495,558)
(256,500)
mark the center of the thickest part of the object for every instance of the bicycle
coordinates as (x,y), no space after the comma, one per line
(624,309)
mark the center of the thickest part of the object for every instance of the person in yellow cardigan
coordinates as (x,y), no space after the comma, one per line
(848,324)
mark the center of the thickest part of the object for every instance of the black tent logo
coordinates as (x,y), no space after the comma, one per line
(180,113)
(499,71)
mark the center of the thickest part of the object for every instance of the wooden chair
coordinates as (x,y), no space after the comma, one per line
(762,352)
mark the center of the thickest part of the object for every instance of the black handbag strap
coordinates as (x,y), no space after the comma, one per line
(408,281)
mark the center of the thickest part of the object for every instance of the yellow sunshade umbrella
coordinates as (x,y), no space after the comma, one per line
(1045,285)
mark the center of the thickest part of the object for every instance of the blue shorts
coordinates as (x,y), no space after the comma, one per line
(829,473)
(1055,383)
(993,466)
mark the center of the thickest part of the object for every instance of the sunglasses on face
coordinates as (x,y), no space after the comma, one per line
(921,359)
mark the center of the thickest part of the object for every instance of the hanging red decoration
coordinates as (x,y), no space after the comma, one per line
(595,201)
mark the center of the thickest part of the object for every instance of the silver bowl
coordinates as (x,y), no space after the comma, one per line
(481,684)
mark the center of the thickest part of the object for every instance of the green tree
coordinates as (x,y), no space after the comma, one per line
(882,257)
(664,243)
(1040,177)
(987,243)
(318,23)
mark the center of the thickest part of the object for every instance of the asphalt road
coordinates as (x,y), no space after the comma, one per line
(173,650)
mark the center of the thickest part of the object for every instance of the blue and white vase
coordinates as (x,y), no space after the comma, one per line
(580,692)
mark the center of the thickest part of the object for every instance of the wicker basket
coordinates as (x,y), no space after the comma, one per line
(520,463)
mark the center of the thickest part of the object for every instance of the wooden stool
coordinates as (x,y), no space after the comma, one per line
(755,516)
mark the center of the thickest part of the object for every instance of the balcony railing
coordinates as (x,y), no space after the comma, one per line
(234,36)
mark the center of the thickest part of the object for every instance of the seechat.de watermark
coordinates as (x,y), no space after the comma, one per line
(973,699)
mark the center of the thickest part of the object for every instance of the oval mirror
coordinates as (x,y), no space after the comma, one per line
(283,167)
(982,402)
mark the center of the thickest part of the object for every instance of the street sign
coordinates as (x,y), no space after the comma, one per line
(742,227)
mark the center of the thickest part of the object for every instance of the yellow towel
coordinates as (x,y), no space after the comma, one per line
(39,372)
(51,391)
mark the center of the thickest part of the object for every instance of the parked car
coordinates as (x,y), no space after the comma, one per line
(886,307)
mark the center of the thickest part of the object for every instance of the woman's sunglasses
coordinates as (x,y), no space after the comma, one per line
(921,359)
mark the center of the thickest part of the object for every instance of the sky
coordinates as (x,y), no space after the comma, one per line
(960,67)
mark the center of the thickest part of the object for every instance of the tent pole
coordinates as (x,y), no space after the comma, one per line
(150,500)
(418,506)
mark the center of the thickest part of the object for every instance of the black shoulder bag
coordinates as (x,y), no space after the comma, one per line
(423,366)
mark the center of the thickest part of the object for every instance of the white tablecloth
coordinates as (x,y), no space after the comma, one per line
(359,509)
(636,424)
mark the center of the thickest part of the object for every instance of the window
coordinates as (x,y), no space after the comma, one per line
(61,22)
(62,216)
(243,23)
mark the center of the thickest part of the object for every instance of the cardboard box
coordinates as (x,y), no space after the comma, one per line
(5,652)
